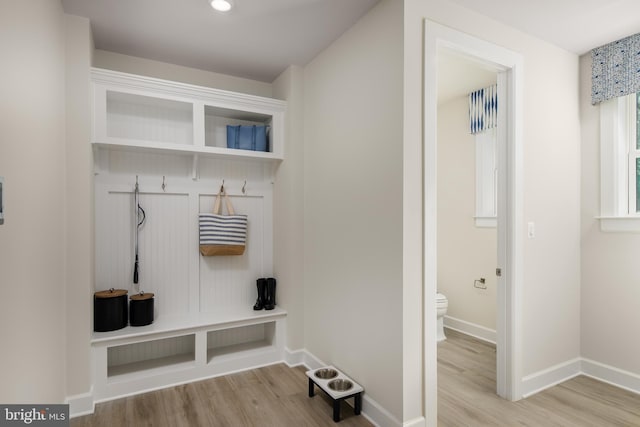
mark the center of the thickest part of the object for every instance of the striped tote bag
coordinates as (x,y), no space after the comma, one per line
(222,234)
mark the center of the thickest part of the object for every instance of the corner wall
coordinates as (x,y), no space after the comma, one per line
(79,207)
(288,195)
(32,239)
(353,205)
(610,276)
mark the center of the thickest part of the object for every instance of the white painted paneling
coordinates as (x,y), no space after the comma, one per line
(146,164)
(170,263)
(230,281)
(218,169)
(148,118)
(163,247)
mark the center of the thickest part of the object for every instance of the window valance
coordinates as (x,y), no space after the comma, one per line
(615,69)
(483,109)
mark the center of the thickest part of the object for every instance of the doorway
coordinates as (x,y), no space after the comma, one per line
(508,64)
(467,208)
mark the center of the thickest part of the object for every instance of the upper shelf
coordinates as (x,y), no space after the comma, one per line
(132,112)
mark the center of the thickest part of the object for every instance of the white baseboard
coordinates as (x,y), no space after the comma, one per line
(610,375)
(468,328)
(371,410)
(534,383)
(417,422)
(80,404)
(294,358)
(302,357)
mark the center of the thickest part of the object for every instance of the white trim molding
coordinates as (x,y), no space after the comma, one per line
(542,380)
(619,224)
(416,422)
(471,329)
(618,154)
(547,378)
(610,375)
(486,221)
(510,188)
(81,404)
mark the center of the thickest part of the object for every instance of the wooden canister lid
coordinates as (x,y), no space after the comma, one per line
(141,296)
(111,293)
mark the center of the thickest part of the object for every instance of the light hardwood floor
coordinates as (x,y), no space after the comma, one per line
(277,396)
(466,394)
(272,396)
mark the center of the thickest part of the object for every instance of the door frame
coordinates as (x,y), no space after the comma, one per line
(509,65)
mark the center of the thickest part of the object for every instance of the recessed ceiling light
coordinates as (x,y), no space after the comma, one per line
(222,5)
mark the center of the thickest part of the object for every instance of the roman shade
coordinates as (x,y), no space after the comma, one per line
(615,69)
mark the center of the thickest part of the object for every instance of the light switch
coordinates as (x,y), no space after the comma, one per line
(531,230)
(1,205)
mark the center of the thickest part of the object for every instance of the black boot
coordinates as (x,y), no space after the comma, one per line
(261,284)
(270,301)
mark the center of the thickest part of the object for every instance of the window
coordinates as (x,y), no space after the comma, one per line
(486,174)
(620,163)
(634,152)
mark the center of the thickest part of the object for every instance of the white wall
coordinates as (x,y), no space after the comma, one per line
(610,277)
(32,239)
(163,70)
(79,205)
(551,295)
(288,227)
(353,204)
(465,252)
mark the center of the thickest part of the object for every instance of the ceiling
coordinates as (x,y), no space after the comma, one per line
(575,25)
(459,76)
(258,39)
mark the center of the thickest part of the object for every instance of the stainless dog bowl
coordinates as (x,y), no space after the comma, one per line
(326,373)
(340,385)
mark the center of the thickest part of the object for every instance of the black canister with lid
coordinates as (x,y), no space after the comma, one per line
(141,309)
(110,310)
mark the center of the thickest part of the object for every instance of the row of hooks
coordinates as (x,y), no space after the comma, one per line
(164,185)
(244,187)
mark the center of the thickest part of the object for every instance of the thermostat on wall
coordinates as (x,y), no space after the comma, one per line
(1,205)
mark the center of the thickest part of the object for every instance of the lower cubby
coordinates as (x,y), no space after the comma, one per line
(238,341)
(170,352)
(156,355)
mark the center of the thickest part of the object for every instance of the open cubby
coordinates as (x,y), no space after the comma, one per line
(133,113)
(234,341)
(216,120)
(146,118)
(150,355)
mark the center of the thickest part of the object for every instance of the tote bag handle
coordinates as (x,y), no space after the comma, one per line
(222,194)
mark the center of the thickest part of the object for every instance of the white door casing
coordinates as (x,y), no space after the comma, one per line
(509,66)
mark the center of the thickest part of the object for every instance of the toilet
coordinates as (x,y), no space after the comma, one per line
(442,303)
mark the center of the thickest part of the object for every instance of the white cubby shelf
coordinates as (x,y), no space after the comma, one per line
(176,350)
(132,112)
(153,132)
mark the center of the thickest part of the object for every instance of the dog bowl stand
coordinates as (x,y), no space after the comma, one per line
(336,396)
